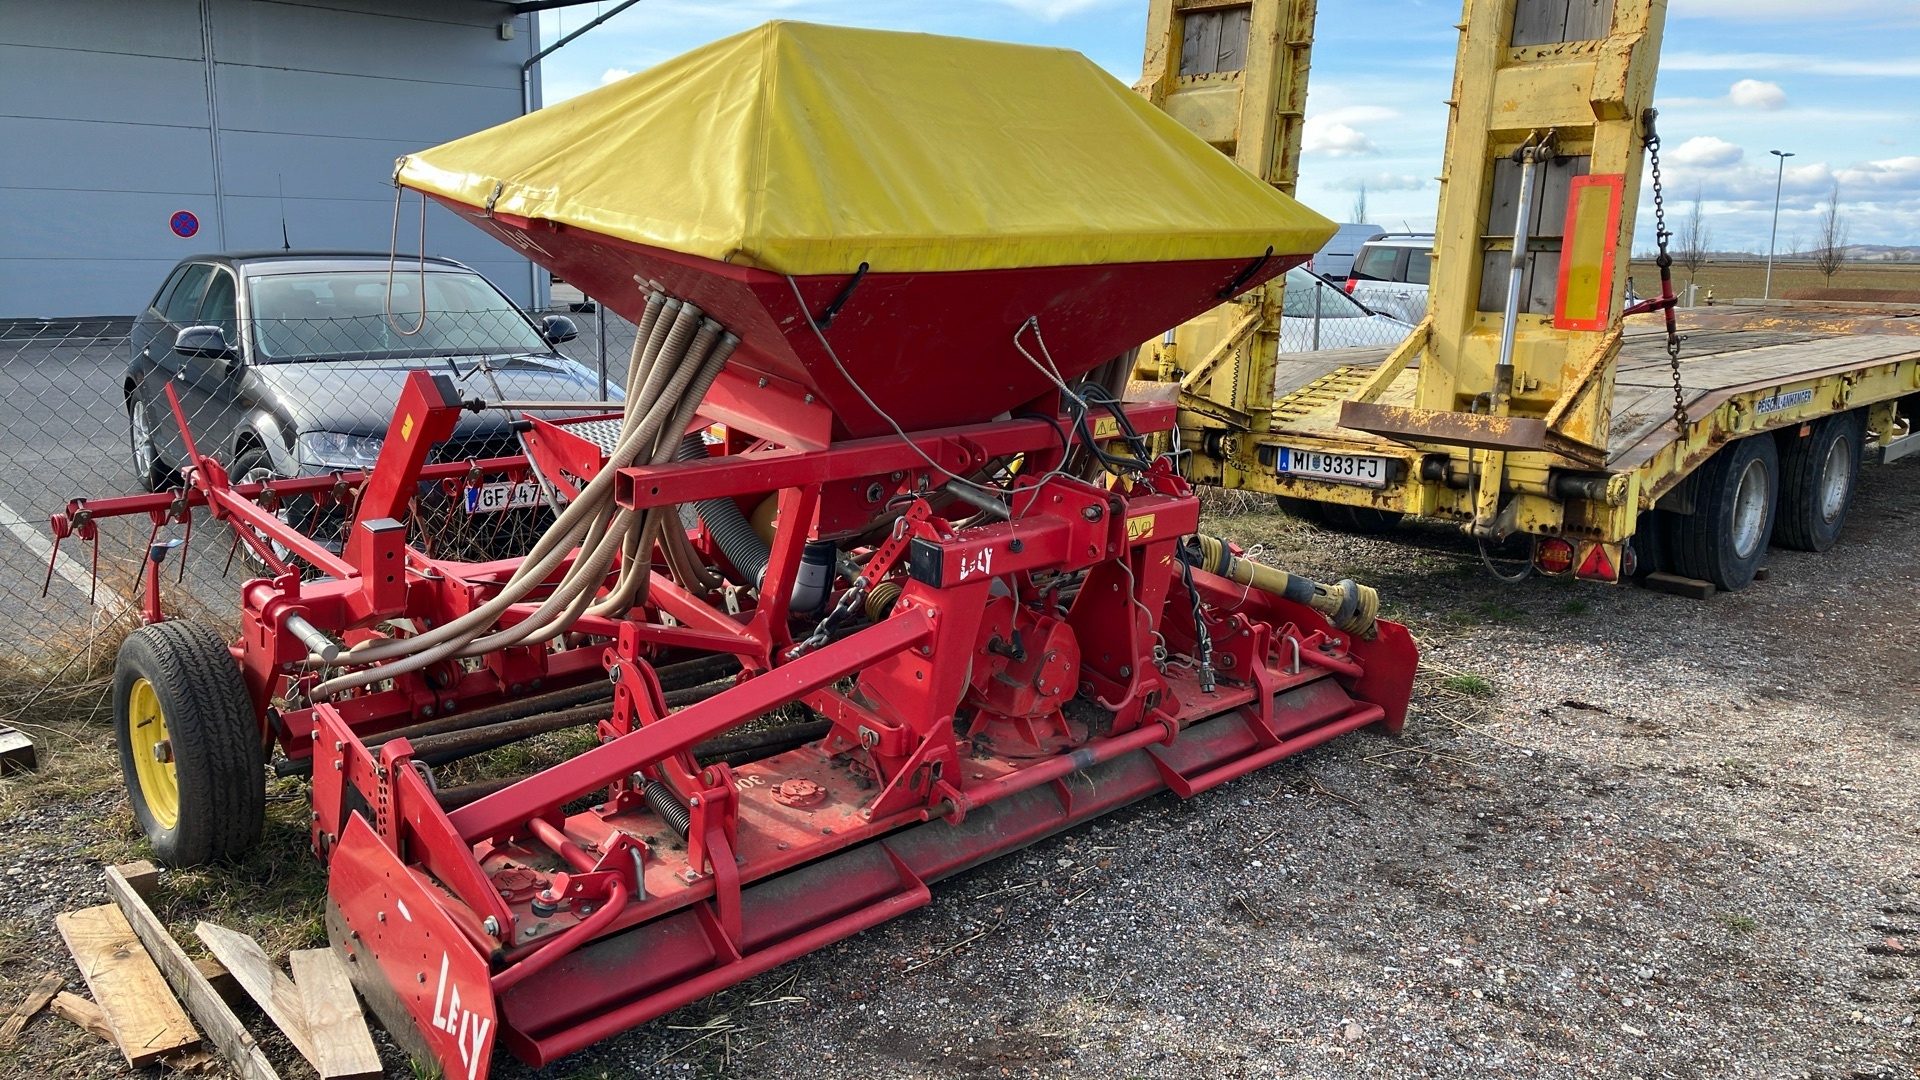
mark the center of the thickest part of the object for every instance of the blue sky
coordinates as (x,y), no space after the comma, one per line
(1835,81)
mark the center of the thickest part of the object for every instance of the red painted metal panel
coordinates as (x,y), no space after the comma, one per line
(966,371)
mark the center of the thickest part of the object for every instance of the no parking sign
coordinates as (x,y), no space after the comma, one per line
(184,223)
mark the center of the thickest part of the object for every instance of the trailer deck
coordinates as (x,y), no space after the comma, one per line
(1733,380)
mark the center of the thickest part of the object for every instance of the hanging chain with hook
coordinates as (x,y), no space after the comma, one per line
(1665,263)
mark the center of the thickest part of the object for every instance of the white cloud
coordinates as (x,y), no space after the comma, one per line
(1899,175)
(1381,182)
(1755,94)
(1056,9)
(1705,152)
(1334,139)
(613,75)
(1772,9)
(1800,62)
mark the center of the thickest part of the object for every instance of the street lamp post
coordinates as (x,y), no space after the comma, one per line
(1767,291)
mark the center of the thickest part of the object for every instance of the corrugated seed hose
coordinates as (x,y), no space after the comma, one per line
(1347,604)
(677,354)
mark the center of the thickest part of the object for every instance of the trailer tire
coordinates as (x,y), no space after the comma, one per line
(1652,543)
(1725,538)
(1817,476)
(190,747)
(1359,520)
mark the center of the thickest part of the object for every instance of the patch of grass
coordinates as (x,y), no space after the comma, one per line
(1575,606)
(1468,685)
(1739,924)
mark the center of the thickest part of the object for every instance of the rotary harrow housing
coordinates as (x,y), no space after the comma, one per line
(996,620)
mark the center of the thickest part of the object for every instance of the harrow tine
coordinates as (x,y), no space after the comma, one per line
(51,561)
(181,576)
(141,574)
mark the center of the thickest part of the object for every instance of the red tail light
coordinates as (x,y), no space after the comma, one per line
(1553,556)
(1350,282)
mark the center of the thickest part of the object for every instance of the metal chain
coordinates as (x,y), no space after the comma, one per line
(1665,262)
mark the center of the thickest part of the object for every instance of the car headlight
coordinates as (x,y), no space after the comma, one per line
(332,450)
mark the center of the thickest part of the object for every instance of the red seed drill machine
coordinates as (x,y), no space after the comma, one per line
(904,275)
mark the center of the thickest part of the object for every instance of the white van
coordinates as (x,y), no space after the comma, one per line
(1390,275)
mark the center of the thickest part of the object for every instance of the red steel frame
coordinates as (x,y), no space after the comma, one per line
(530,916)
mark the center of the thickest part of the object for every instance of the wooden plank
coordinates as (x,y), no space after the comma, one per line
(221,979)
(235,1043)
(147,1022)
(83,1012)
(17,754)
(263,981)
(142,875)
(335,1024)
(1674,584)
(35,1000)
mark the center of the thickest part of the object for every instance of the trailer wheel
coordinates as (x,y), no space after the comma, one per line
(1652,544)
(1816,482)
(189,743)
(1361,520)
(1725,537)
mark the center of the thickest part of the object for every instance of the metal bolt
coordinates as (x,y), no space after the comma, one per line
(599,808)
(163,751)
(763,382)
(926,650)
(491,926)
(1091,513)
(420,976)
(1126,672)
(381,916)
(695,801)
(809,400)
(426,710)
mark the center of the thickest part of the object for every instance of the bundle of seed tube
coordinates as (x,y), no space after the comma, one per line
(677,353)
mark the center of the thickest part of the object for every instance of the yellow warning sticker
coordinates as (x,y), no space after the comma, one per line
(1139,528)
(406,429)
(1106,427)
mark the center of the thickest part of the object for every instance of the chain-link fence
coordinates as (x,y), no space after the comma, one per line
(89,410)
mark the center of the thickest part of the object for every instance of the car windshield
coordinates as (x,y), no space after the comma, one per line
(1308,294)
(344,314)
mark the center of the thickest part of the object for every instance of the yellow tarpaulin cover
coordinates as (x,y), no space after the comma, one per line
(807,149)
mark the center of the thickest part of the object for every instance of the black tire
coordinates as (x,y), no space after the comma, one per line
(1725,538)
(1817,475)
(1652,539)
(153,475)
(1304,509)
(1360,520)
(216,802)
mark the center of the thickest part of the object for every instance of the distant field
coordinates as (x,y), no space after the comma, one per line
(1740,279)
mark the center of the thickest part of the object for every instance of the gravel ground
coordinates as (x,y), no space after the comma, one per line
(1625,835)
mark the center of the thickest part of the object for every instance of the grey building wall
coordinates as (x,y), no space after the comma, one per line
(116,114)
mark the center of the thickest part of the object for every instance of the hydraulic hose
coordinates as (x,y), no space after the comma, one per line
(1347,604)
(674,362)
(730,529)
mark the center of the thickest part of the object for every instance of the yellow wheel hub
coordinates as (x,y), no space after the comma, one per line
(153,755)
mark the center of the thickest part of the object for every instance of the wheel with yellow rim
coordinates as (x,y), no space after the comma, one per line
(190,746)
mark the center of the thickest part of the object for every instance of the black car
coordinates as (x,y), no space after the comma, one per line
(290,363)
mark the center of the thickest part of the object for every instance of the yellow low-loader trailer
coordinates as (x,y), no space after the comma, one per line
(1523,405)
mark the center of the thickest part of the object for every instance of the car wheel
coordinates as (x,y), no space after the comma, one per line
(1816,482)
(253,466)
(1725,537)
(152,473)
(190,745)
